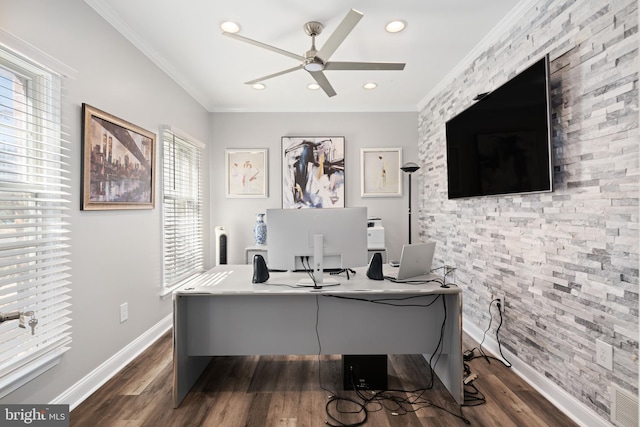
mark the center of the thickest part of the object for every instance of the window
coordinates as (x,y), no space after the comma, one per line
(182,207)
(34,175)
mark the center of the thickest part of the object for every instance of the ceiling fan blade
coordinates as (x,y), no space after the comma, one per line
(364,66)
(263,45)
(338,36)
(270,76)
(321,79)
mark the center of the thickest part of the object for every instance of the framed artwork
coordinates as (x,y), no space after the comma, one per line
(312,172)
(118,163)
(380,172)
(246,173)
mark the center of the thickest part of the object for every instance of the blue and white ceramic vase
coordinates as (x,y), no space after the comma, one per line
(260,231)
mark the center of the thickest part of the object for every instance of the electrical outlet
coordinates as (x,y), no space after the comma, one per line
(500,298)
(124,312)
(604,354)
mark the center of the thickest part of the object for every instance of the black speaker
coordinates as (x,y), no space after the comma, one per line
(374,272)
(260,270)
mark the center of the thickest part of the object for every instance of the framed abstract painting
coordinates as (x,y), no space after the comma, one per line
(313,172)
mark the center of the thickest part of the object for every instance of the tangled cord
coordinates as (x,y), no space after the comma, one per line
(341,406)
(485,356)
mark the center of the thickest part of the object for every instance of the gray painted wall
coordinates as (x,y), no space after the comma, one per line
(567,261)
(116,256)
(264,130)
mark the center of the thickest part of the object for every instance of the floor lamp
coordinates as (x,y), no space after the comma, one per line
(410,168)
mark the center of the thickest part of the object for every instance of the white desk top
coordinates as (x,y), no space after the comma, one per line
(236,280)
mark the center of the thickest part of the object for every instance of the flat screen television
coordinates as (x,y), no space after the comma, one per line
(502,143)
(317,240)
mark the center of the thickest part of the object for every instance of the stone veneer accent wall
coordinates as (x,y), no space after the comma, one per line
(566,261)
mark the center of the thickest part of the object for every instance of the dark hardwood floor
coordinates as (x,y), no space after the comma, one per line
(293,391)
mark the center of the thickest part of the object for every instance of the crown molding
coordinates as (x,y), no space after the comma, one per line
(505,24)
(103,9)
(34,54)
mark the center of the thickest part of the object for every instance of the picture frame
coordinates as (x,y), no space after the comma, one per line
(313,172)
(118,163)
(246,173)
(380,173)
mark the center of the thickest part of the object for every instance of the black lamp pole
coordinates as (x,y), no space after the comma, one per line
(410,168)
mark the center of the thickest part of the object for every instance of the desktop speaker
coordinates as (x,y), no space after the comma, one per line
(374,272)
(221,245)
(260,270)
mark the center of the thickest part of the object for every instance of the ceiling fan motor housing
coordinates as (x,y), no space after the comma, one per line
(313,28)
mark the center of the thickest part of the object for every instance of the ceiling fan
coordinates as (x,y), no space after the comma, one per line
(317,61)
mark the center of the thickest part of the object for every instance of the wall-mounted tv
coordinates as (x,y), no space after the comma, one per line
(502,143)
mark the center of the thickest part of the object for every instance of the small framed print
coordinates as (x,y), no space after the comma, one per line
(380,172)
(246,172)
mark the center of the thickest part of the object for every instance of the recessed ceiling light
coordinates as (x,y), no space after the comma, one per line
(370,85)
(230,27)
(259,86)
(395,26)
(313,86)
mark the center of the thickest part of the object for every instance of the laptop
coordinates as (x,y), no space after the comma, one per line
(416,260)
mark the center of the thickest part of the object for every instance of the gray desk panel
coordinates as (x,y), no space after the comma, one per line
(286,324)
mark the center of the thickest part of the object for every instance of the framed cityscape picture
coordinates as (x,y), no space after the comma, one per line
(118,163)
(313,172)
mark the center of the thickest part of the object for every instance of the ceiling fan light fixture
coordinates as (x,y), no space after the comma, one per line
(370,85)
(230,27)
(314,66)
(396,26)
(259,86)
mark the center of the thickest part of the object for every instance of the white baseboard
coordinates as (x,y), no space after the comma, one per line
(568,404)
(77,393)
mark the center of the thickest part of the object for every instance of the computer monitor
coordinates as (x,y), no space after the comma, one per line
(330,238)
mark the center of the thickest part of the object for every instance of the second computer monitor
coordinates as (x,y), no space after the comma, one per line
(292,234)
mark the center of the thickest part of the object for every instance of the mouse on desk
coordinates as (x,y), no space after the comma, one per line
(394,263)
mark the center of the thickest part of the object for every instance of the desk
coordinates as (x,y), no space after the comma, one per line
(224,314)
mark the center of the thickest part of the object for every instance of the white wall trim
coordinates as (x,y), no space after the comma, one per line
(505,24)
(568,404)
(45,60)
(78,392)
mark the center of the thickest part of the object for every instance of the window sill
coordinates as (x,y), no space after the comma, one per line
(15,380)
(168,291)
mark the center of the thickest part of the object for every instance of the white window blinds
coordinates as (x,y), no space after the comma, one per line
(34,176)
(182,206)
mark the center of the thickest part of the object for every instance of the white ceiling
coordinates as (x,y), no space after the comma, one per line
(184,39)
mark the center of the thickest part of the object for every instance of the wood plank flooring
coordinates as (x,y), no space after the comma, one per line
(292,391)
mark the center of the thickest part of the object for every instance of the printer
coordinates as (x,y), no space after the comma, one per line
(375,233)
